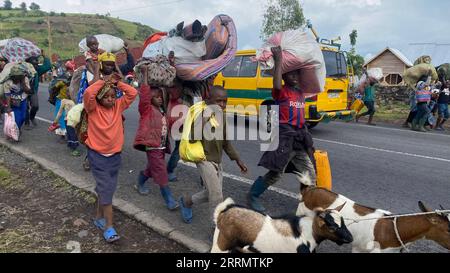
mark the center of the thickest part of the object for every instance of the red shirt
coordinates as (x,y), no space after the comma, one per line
(292,106)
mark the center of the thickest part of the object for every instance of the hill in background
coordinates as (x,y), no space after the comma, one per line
(67,30)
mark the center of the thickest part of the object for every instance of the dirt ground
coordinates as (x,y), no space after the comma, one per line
(41,213)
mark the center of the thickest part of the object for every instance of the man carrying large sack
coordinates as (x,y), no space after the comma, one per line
(295,152)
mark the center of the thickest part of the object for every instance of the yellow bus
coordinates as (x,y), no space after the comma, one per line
(248,85)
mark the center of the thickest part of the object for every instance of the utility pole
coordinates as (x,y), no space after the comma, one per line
(49,37)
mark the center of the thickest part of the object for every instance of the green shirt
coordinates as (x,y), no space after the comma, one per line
(369,93)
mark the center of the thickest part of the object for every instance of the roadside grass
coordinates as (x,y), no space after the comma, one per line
(9,181)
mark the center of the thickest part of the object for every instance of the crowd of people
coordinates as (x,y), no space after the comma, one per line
(90,112)
(90,101)
(426,102)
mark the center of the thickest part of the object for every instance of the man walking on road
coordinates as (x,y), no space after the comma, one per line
(33,99)
(369,100)
(444,99)
(295,152)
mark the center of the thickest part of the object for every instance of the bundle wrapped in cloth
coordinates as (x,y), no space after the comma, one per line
(373,74)
(106,42)
(444,72)
(27,68)
(197,58)
(417,72)
(160,72)
(300,52)
(18,50)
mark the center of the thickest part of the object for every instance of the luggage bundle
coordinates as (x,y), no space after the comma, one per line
(200,51)
(18,50)
(444,72)
(106,42)
(419,72)
(300,52)
(160,72)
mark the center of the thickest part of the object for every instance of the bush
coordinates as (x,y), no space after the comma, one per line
(63,14)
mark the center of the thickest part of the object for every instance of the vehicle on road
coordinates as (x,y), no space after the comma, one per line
(248,86)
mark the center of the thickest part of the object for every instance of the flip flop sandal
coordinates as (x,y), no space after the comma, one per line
(111,235)
(100,223)
(76,153)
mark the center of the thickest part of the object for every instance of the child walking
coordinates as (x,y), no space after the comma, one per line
(152,138)
(105,142)
(211,169)
(72,139)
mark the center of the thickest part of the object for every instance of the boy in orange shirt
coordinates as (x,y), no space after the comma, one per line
(105,141)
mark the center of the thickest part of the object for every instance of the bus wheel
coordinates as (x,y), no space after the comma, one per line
(311,124)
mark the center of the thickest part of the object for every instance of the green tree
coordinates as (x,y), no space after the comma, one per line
(23,6)
(356,60)
(353,37)
(281,15)
(7,5)
(34,6)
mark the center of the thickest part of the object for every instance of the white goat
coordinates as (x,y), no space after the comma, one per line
(239,228)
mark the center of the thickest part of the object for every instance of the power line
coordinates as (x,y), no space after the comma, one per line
(147,6)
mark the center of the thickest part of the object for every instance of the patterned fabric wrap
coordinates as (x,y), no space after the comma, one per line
(18,50)
(160,72)
(82,128)
(221,46)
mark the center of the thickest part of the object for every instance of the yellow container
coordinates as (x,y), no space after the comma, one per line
(324,179)
(357,105)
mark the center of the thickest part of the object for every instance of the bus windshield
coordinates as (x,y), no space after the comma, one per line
(336,64)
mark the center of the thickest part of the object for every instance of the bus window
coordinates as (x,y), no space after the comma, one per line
(232,70)
(266,74)
(248,67)
(335,63)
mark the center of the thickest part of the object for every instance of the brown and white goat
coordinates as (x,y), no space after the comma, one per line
(239,228)
(378,235)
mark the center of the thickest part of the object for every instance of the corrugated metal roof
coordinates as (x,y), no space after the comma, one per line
(440,53)
(394,51)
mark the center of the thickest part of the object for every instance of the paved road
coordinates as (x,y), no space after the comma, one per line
(383,167)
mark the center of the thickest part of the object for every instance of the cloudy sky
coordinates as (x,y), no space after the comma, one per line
(380,23)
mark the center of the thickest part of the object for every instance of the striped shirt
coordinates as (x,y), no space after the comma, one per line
(292,106)
(423,96)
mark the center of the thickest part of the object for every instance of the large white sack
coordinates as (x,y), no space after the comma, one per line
(153,50)
(185,51)
(375,73)
(300,52)
(106,42)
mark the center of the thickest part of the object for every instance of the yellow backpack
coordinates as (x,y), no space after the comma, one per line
(193,151)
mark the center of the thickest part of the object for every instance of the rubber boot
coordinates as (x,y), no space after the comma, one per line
(168,198)
(258,188)
(141,185)
(370,122)
(414,125)
(422,122)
